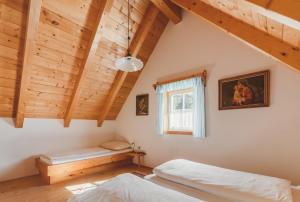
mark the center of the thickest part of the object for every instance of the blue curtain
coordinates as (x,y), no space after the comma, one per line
(160,112)
(199,104)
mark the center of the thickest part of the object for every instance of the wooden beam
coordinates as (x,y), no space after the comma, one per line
(247,33)
(284,11)
(105,5)
(33,17)
(135,47)
(169,9)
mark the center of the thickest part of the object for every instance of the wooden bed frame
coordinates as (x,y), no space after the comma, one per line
(60,172)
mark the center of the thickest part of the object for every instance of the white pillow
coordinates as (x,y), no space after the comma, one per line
(116,145)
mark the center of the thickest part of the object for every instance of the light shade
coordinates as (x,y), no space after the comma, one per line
(129,64)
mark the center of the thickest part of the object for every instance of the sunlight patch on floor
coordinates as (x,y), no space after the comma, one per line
(81,188)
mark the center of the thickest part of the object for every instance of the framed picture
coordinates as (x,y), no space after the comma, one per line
(245,91)
(142,105)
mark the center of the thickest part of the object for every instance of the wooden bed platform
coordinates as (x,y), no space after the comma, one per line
(60,172)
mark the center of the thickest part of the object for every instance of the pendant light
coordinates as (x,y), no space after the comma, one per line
(129,63)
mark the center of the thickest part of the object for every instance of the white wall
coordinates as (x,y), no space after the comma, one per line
(260,140)
(18,147)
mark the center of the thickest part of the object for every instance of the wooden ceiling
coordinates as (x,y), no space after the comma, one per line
(59,63)
(57,56)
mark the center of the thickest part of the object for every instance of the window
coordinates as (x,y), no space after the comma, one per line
(180,112)
(181,107)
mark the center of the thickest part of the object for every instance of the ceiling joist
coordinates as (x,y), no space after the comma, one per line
(268,44)
(104,6)
(169,9)
(135,47)
(33,16)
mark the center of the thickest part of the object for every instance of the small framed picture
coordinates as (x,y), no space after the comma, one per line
(142,105)
(245,91)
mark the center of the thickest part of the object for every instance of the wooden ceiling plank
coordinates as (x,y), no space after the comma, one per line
(34,11)
(262,41)
(143,30)
(88,59)
(262,3)
(172,11)
(285,12)
(291,36)
(135,47)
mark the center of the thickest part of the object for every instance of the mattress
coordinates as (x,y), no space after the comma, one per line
(202,195)
(77,155)
(231,184)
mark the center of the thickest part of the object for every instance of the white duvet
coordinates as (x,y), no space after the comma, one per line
(130,188)
(235,185)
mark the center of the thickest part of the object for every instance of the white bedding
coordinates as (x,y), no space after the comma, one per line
(235,185)
(130,188)
(196,193)
(77,155)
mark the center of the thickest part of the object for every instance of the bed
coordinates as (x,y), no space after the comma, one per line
(59,167)
(191,181)
(130,188)
(230,184)
(205,196)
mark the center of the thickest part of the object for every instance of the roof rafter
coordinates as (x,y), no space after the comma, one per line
(104,6)
(135,47)
(33,16)
(172,11)
(268,44)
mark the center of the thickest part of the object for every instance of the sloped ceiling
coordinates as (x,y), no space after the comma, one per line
(57,56)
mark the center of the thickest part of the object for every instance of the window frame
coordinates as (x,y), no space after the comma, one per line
(167,97)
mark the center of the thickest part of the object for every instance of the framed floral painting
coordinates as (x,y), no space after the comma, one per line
(245,91)
(142,105)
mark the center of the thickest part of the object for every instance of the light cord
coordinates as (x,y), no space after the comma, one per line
(128,34)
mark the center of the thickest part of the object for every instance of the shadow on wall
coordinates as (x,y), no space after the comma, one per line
(22,167)
(187,72)
(8,121)
(121,138)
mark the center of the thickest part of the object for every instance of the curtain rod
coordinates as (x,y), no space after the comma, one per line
(202,74)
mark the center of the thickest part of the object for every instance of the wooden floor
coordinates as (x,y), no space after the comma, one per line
(31,189)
